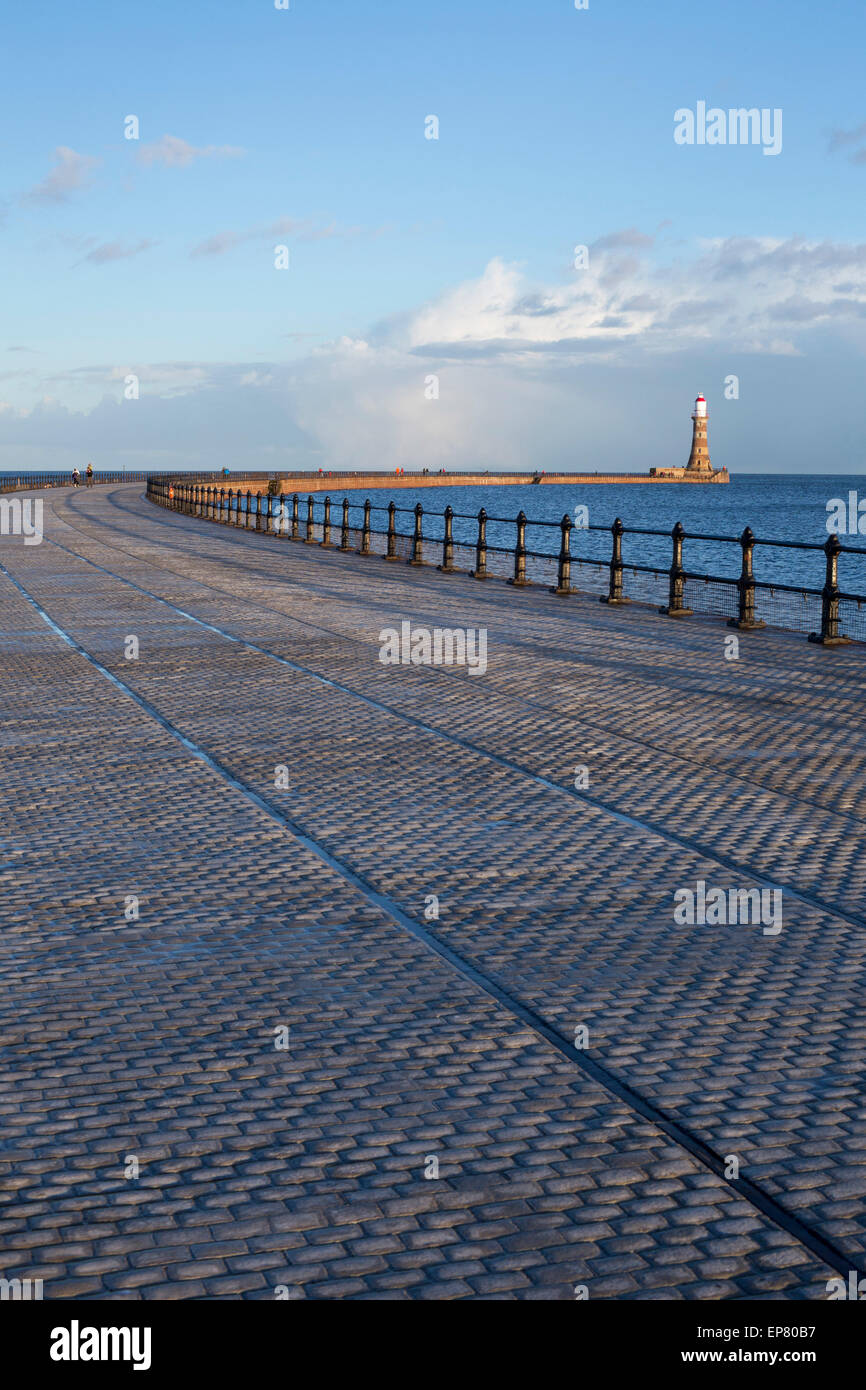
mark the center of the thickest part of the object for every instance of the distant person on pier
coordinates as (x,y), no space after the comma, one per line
(89,475)
(76,477)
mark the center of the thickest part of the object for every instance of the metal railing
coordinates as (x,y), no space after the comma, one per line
(19,482)
(837,616)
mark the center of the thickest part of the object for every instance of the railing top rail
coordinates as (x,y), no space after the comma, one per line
(791,545)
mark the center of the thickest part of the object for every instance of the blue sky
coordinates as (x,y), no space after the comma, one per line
(412,257)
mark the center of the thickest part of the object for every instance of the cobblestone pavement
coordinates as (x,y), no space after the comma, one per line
(267,1171)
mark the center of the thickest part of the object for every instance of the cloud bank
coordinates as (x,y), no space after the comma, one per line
(596,371)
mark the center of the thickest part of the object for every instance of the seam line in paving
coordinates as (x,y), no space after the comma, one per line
(632,822)
(813,1241)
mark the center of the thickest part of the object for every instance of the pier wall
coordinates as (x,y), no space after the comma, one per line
(335,482)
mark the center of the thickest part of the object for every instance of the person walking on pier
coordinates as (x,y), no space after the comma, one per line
(89,475)
(76,477)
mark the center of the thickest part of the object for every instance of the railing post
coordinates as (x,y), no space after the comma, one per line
(295,518)
(417,556)
(258,511)
(266,526)
(447,565)
(746,587)
(344,527)
(326,524)
(229,511)
(563,577)
(614,591)
(309,538)
(519,576)
(391,552)
(831,634)
(220,516)
(248,519)
(480,570)
(674,607)
(365,533)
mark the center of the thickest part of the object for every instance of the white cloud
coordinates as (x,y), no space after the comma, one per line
(841,138)
(117,251)
(175,153)
(736,294)
(71,173)
(296,228)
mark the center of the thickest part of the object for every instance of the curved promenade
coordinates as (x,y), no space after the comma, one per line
(324,978)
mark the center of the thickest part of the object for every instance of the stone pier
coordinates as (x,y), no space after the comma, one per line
(326,978)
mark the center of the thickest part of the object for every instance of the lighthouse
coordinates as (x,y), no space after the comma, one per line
(699,458)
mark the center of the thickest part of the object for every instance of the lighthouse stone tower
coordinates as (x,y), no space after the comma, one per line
(699,458)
